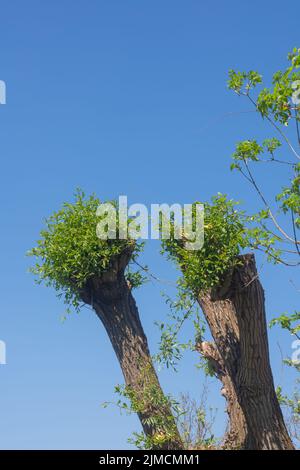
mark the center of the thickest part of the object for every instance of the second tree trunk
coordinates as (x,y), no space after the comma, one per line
(236,316)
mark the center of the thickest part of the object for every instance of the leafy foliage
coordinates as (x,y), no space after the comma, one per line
(194,420)
(182,309)
(225,237)
(69,251)
(289,322)
(144,402)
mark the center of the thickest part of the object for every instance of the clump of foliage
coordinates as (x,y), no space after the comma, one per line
(144,402)
(69,251)
(224,237)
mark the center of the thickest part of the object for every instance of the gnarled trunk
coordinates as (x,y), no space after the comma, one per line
(236,316)
(112,300)
(236,434)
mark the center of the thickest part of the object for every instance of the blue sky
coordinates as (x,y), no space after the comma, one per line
(117,97)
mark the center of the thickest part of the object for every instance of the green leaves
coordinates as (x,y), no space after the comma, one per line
(69,251)
(182,309)
(247,150)
(286,321)
(251,150)
(289,197)
(271,145)
(243,82)
(266,230)
(156,407)
(277,101)
(224,237)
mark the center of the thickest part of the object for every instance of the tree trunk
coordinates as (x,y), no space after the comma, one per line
(112,300)
(236,434)
(236,316)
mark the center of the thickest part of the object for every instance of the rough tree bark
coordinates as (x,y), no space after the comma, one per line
(236,434)
(111,298)
(235,313)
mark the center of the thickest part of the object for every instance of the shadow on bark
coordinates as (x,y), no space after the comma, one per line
(235,312)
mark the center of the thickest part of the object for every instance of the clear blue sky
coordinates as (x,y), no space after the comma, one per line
(117,97)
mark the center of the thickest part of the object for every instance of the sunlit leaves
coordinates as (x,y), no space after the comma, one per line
(290,322)
(225,237)
(247,150)
(243,82)
(69,251)
(275,102)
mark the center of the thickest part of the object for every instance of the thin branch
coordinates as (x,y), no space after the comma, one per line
(294,285)
(294,232)
(267,205)
(276,127)
(297,125)
(152,276)
(271,160)
(279,260)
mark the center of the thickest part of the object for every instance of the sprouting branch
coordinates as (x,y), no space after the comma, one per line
(285,138)
(253,182)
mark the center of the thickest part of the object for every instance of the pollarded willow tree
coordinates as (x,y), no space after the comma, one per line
(86,270)
(225,283)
